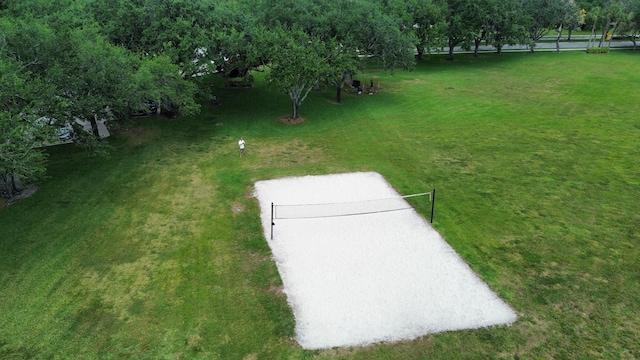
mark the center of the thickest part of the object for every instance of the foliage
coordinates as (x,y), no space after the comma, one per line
(21,129)
(569,16)
(298,62)
(506,24)
(346,29)
(20,162)
(428,21)
(615,14)
(596,17)
(464,20)
(178,29)
(631,25)
(542,15)
(58,68)
(237,35)
(159,80)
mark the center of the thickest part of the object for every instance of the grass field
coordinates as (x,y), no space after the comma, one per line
(535,159)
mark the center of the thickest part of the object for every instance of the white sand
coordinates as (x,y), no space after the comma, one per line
(357,280)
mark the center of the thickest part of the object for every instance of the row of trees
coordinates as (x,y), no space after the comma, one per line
(469,23)
(56,67)
(62,60)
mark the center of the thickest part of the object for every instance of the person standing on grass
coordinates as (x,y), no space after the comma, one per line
(241,146)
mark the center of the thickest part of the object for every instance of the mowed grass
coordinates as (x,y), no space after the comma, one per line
(158,252)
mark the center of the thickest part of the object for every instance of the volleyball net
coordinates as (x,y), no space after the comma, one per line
(353,208)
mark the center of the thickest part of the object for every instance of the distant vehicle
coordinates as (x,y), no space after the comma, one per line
(64,133)
(151,108)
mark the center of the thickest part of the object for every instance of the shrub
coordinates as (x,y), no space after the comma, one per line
(246,81)
(598,50)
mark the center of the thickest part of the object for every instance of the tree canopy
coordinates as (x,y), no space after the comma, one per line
(88,60)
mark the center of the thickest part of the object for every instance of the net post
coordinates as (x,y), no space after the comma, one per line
(272,221)
(433,203)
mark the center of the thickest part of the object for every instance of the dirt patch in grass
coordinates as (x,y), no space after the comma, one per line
(4,202)
(277,290)
(123,285)
(136,134)
(286,153)
(291,121)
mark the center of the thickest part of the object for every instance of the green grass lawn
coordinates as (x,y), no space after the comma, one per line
(536,162)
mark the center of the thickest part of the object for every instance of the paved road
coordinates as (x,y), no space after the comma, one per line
(578,42)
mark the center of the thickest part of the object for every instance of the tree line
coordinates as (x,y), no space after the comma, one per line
(90,60)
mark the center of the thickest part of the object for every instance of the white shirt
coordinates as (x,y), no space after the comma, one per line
(241,143)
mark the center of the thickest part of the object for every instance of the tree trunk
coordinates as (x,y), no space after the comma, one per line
(450,58)
(14,187)
(94,126)
(592,35)
(477,41)
(339,95)
(613,31)
(604,33)
(295,110)
(420,52)
(532,44)
(559,30)
(569,36)
(8,184)
(476,47)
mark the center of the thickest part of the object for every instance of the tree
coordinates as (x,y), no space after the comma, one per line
(348,29)
(157,79)
(614,15)
(371,31)
(505,24)
(569,15)
(581,22)
(25,50)
(298,61)
(21,130)
(178,29)
(93,82)
(632,24)
(428,22)
(462,26)
(313,17)
(595,16)
(540,16)
(342,64)
(91,79)
(424,19)
(482,22)
(236,39)
(56,67)
(20,161)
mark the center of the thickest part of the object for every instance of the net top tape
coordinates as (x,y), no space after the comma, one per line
(305,211)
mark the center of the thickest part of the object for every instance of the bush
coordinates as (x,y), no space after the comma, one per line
(246,81)
(598,50)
